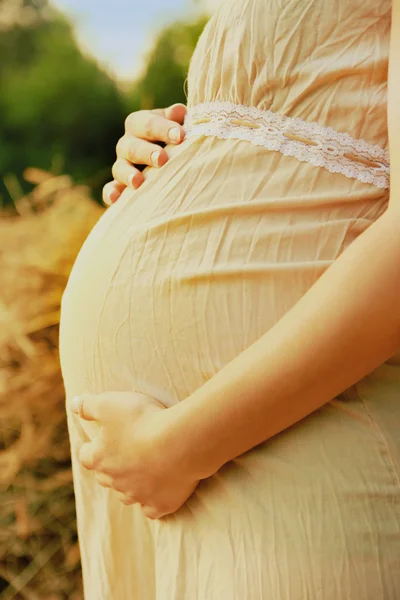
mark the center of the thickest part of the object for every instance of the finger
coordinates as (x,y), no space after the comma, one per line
(87,407)
(140,152)
(126,174)
(126,499)
(153,513)
(176,112)
(112,191)
(150,126)
(89,456)
(103,480)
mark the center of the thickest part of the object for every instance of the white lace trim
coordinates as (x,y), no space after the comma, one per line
(308,142)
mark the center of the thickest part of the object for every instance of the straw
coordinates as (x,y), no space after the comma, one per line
(39,554)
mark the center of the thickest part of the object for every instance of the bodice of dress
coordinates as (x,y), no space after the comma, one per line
(323,61)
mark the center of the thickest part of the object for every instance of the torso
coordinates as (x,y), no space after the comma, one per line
(179,277)
(226,223)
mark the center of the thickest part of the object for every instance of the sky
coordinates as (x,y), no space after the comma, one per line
(119,32)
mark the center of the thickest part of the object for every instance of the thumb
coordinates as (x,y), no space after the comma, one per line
(86,406)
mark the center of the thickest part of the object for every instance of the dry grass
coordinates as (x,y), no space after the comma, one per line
(39,555)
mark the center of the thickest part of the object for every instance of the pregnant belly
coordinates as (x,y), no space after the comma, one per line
(181,276)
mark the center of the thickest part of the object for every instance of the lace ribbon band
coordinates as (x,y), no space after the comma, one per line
(308,142)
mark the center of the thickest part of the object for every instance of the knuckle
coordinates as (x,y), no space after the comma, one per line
(86,464)
(131,154)
(148,123)
(114,172)
(154,513)
(130,121)
(127,499)
(103,481)
(97,460)
(126,150)
(152,516)
(120,147)
(92,464)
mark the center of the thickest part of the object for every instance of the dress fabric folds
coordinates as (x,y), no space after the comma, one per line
(180,276)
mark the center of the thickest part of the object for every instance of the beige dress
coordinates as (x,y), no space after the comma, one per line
(179,277)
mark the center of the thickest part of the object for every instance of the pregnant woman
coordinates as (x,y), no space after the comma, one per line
(230,332)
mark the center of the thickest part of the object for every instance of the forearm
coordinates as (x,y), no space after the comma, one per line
(345,326)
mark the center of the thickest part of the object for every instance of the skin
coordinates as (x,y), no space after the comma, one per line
(136,147)
(138,445)
(155,456)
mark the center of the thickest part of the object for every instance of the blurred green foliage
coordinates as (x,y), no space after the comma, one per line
(163,82)
(60,110)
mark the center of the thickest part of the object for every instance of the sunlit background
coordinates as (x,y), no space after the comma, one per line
(120,33)
(70,73)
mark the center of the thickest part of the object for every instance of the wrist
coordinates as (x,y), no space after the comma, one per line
(185,445)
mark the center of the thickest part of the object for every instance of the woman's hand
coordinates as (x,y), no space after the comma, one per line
(128,454)
(135,147)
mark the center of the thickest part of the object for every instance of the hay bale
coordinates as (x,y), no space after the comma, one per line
(39,556)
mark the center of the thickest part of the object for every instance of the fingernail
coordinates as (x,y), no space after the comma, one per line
(135,181)
(155,157)
(174,134)
(75,404)
(114,197)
